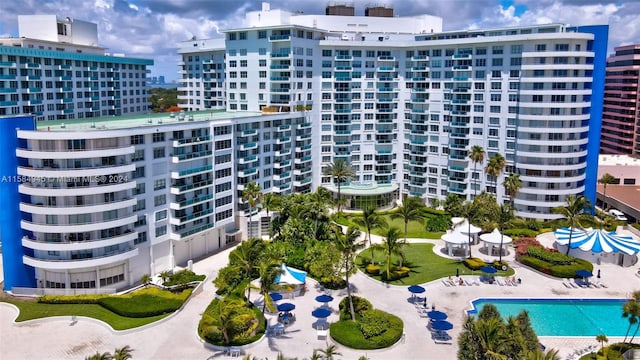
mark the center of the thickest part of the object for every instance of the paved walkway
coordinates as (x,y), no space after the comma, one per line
(176,337)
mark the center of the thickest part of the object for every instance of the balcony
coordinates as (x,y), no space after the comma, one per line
(38,244)
(189,172)
(191,156)
(284,54)
(191,232)
(247,172)
(193,201)
(63,264)
(279,38)
(191,140)
(181,220)
(183,188)
(386,58)
(386,68)
(126,219)
(344,57)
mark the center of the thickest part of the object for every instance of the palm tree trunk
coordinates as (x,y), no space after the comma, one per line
(339,198)
(569,243)
(604,202)
(370,245)
(627,333)
(250,230)
(469,235)
(475,188)
(351,309)
(635,332)
(500,250)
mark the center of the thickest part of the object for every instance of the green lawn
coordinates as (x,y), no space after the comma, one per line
(414,230)
(424,264)
(33,310)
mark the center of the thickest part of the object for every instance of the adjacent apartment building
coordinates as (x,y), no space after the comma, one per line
(621,112)
(97,203)
(55,70)
(404,102)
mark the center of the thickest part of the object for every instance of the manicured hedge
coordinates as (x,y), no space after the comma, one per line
(395,274)
(146,302)
(515,233)
(183,277)
(552,257)
(474,263)
(360,305)
(560,271)
(246,325)
(349,333)
(333,283)
(635,225)
(372,269)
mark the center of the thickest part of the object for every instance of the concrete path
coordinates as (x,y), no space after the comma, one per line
(176,337)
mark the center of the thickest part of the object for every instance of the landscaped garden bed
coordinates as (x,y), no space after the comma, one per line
(373,329)
(121,312)
(549,261)
(231,322)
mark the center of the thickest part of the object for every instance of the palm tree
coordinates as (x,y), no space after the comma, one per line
(512,185)
(165,276)
(123,353)
(269,272)
(605,180)
(636,297)
(252,195)
(539,354)
(410,210)
(146,280)
(631,310)
(574,213)
(495,167)
(329,352)
(602,338)
(391,245)
(271,202)
(469,210)
(491,337)
(316,207)
(370,220)
(245,257)
(477,157)
(340,171)
(504,214)
(348,244)
(100,356)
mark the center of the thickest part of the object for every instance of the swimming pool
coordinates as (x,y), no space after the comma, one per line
(565,317)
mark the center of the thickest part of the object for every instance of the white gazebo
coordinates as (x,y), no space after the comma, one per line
(493,239)
(465,228)
(456,239)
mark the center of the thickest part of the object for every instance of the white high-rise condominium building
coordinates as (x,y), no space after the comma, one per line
(55,70)
(404,102)
(201,75)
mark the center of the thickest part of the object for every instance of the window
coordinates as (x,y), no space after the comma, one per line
(159,200)
(158,152)
(137,139)
(158,137)
(496,62)
(159,184)
(160,215)
(262,34)
(497,50)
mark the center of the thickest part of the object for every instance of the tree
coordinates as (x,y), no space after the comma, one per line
(315,206)
(453,204)
(329,352)
(123,353)
(605,180)
(340,171)
(635,298)
(348,244)
(469,211)
(268,272)
(370,220)
(146,280)
(251,195)
(165,276)
(391,245)
(602,338)
(538,354)
(477,157)
(100,356)
(495,167)
(245,258)
(512,185)
(163,99)
(574,212)
(410,210)
(271,202)
(503,215)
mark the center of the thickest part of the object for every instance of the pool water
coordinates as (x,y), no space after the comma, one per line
(565,317)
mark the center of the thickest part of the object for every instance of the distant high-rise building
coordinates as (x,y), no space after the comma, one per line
(55,70)
(161,80)
(201,75)
(621,112)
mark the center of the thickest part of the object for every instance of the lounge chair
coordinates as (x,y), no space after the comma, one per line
(469,283)
(571,283)
(566,284)
(499,281)
(476,282)
(446,283)
(603,285)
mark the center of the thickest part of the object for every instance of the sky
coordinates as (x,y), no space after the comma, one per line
(153,28)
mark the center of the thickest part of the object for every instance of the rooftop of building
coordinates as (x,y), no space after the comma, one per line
(617,160)
(133,121)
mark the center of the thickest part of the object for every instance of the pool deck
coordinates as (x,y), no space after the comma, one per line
(176,337)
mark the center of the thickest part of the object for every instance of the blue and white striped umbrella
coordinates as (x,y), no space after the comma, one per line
(598,240)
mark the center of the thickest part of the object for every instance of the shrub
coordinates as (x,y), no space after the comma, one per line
(474,263)
(183,277)
(360,305)
(436,223)
(348,333)
(246,325)
(635,225)
(70,299)
(373,269)
(500,264)
(560,271)
(515,233)
(395,274)
(333,283)
(137,305)
(554,258)
(373,323)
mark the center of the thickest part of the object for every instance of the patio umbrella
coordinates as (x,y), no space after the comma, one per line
(436,315)
(321,313)
(275,296)
(286,307)
(488,270)
(584,273)
(324,298)
(416,289)
(441,325)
